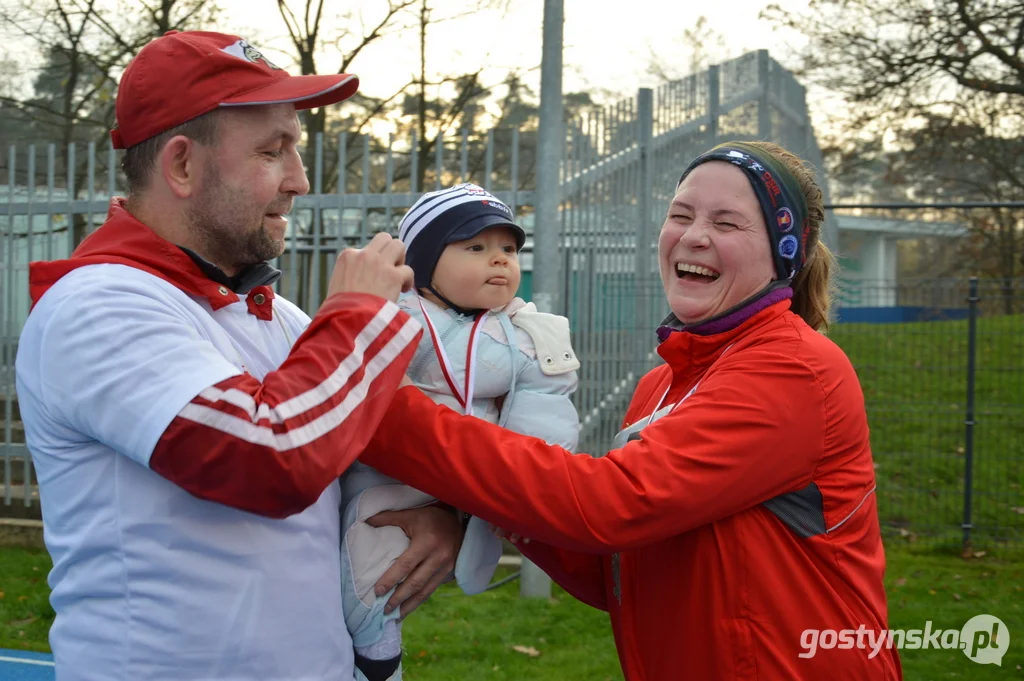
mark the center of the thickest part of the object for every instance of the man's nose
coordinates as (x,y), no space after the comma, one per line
(295,181)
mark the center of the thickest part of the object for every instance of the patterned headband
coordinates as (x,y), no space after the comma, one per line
(780,196)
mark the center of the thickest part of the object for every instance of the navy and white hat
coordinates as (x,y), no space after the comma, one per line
(448,215)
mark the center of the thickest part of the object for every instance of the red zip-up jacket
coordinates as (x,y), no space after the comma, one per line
(717,536)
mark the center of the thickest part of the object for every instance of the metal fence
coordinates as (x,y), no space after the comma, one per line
(619,166)
(941,363)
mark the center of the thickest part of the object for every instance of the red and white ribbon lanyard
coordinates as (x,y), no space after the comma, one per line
(688,393)
(464,396)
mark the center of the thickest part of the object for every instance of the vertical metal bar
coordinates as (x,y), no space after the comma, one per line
(414,164)
(71,197)
(464,158)
(91,182)
(590,240)
(489,162)
(389,178)
(364,231)
(514,189)
(111,171)
(30,218)
(438,159)
(342,162)
(51,163)
(645,225)
(764,111)
(30,237)
(969,422)
(605,265)
(318,186)
(339,237)
(7,312)
(534,583)
(714,85)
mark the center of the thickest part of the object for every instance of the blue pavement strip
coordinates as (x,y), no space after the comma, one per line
(18,665)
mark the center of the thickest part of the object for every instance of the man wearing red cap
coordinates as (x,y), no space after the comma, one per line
(188,427)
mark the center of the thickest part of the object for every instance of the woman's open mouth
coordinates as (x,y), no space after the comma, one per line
(696,273)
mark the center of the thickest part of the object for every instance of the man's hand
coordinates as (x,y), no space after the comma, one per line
(379,269)
(435,537)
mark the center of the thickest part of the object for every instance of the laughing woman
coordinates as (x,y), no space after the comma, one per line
(736,509)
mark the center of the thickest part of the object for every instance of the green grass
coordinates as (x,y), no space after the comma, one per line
(914,378)
(25,612)
(455,637)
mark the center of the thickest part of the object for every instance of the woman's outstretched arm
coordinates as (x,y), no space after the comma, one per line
(755,429)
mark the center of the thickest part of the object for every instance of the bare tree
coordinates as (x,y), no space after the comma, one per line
(84,45)
(905,56)
(306,32)
(935,94)
(693,51)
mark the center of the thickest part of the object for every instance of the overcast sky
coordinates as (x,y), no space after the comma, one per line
(607,44)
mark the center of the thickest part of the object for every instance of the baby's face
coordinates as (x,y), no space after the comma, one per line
(480,273)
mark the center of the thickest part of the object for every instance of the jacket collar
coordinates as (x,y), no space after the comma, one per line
(683,348)
(124,240)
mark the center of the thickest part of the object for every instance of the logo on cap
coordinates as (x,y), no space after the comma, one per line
(784,218)
(243,50)
(499,205)
(473,189)
(788,246)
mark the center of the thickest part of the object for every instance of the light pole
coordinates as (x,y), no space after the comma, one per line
(533,583)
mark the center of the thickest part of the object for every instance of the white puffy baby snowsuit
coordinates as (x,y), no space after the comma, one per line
(535,374)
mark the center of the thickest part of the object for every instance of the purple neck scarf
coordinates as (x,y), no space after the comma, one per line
(730,319)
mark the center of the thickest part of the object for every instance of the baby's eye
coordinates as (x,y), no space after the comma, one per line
(475,247)
(510,249)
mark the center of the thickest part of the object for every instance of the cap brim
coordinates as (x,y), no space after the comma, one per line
(479,224)
(305,92)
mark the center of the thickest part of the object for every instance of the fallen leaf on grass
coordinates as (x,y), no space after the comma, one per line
(422,653)
(22,599)
(1,594)
(956,597)
(902,581)
(527,650)
(980,554)
(932,591)
(22,623)
(1019,509)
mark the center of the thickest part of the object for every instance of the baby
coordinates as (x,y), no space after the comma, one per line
(485,353)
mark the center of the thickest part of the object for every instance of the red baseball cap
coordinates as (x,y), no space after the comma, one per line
(185,74)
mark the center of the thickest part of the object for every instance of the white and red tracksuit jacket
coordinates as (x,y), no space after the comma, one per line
(188,443)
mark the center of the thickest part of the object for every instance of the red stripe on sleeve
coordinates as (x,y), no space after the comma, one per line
(273,447)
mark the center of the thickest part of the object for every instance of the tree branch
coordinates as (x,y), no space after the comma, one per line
(990,48)
(374,34)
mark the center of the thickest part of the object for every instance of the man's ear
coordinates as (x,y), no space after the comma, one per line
(178,163)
